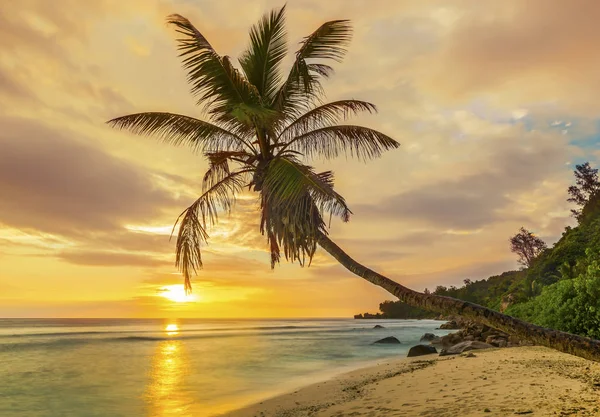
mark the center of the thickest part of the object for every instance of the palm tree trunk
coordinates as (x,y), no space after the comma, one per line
(561,341)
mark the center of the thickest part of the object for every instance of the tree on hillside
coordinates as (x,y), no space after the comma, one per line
(527,246)
(261,125)
(587,185)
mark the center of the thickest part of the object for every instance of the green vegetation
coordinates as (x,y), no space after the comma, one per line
(571,305)
(558,287)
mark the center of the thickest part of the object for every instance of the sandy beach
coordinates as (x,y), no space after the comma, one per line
(531,381)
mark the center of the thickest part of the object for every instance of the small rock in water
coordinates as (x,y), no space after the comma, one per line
(378,326)
(427,337)
(388,340)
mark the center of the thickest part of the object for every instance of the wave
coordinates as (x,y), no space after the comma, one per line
(74,339)
(223,329)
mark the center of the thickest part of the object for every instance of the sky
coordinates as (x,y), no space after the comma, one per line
(493,102)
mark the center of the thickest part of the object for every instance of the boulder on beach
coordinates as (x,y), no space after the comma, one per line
(464,347)
(378,326)
(450,339)
(388,340)
(421,350)
(427,337)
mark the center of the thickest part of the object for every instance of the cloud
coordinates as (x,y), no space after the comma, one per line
(520,51)
(474,200)
(53,184)
(10,87)
(111,259)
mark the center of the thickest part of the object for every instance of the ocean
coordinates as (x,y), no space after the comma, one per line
(191,367)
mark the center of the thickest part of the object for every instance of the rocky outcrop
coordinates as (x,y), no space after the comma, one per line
(475,332)
(388,340)
(464,347)
(421,350)
(449,339)
(450,325)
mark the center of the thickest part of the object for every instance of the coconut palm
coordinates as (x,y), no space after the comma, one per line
(260,125)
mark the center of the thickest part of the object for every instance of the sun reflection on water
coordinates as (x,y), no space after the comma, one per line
(165,393)
(172,329)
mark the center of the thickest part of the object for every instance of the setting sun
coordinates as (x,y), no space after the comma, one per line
(177,294)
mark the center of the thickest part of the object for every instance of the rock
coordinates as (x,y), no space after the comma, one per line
(468,355)
(451,339)
(464,347)
(388,340)
(427,337)
(497,341)
(469,338)
(421,350)
(452,324)
(378,326)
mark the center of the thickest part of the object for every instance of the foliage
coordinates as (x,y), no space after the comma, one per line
(486,292)
(572,305)
(262,121)
(586,186)
(527,246)
(400,310)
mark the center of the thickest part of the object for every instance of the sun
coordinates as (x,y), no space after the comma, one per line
(177,294)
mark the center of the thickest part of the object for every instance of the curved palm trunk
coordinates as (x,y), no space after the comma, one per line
(564,342)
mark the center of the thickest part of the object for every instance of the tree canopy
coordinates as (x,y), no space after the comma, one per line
(262,121)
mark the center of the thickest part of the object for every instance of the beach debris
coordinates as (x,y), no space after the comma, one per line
(388,340)
(420,350)
(464,347)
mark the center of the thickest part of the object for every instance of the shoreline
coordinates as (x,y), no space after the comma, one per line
(496,382)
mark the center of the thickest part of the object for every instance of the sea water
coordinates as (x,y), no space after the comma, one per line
(191,367)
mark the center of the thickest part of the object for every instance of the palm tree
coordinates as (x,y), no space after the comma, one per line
(259,126)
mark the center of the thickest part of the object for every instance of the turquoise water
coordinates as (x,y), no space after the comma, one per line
(116,367)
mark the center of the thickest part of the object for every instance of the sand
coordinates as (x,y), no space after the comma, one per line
(531,381)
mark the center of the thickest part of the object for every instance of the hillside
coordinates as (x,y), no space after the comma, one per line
(560,289)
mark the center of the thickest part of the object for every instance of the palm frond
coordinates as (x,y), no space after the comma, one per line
(293,201)
(329,142)
(194,221)
(218,165)
(286,182)
(324,115)
(261,61)
(219,86)
(177,130)
(329,41)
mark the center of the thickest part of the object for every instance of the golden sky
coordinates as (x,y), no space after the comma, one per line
(493,102)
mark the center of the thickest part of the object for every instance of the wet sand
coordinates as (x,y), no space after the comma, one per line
(532,381)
